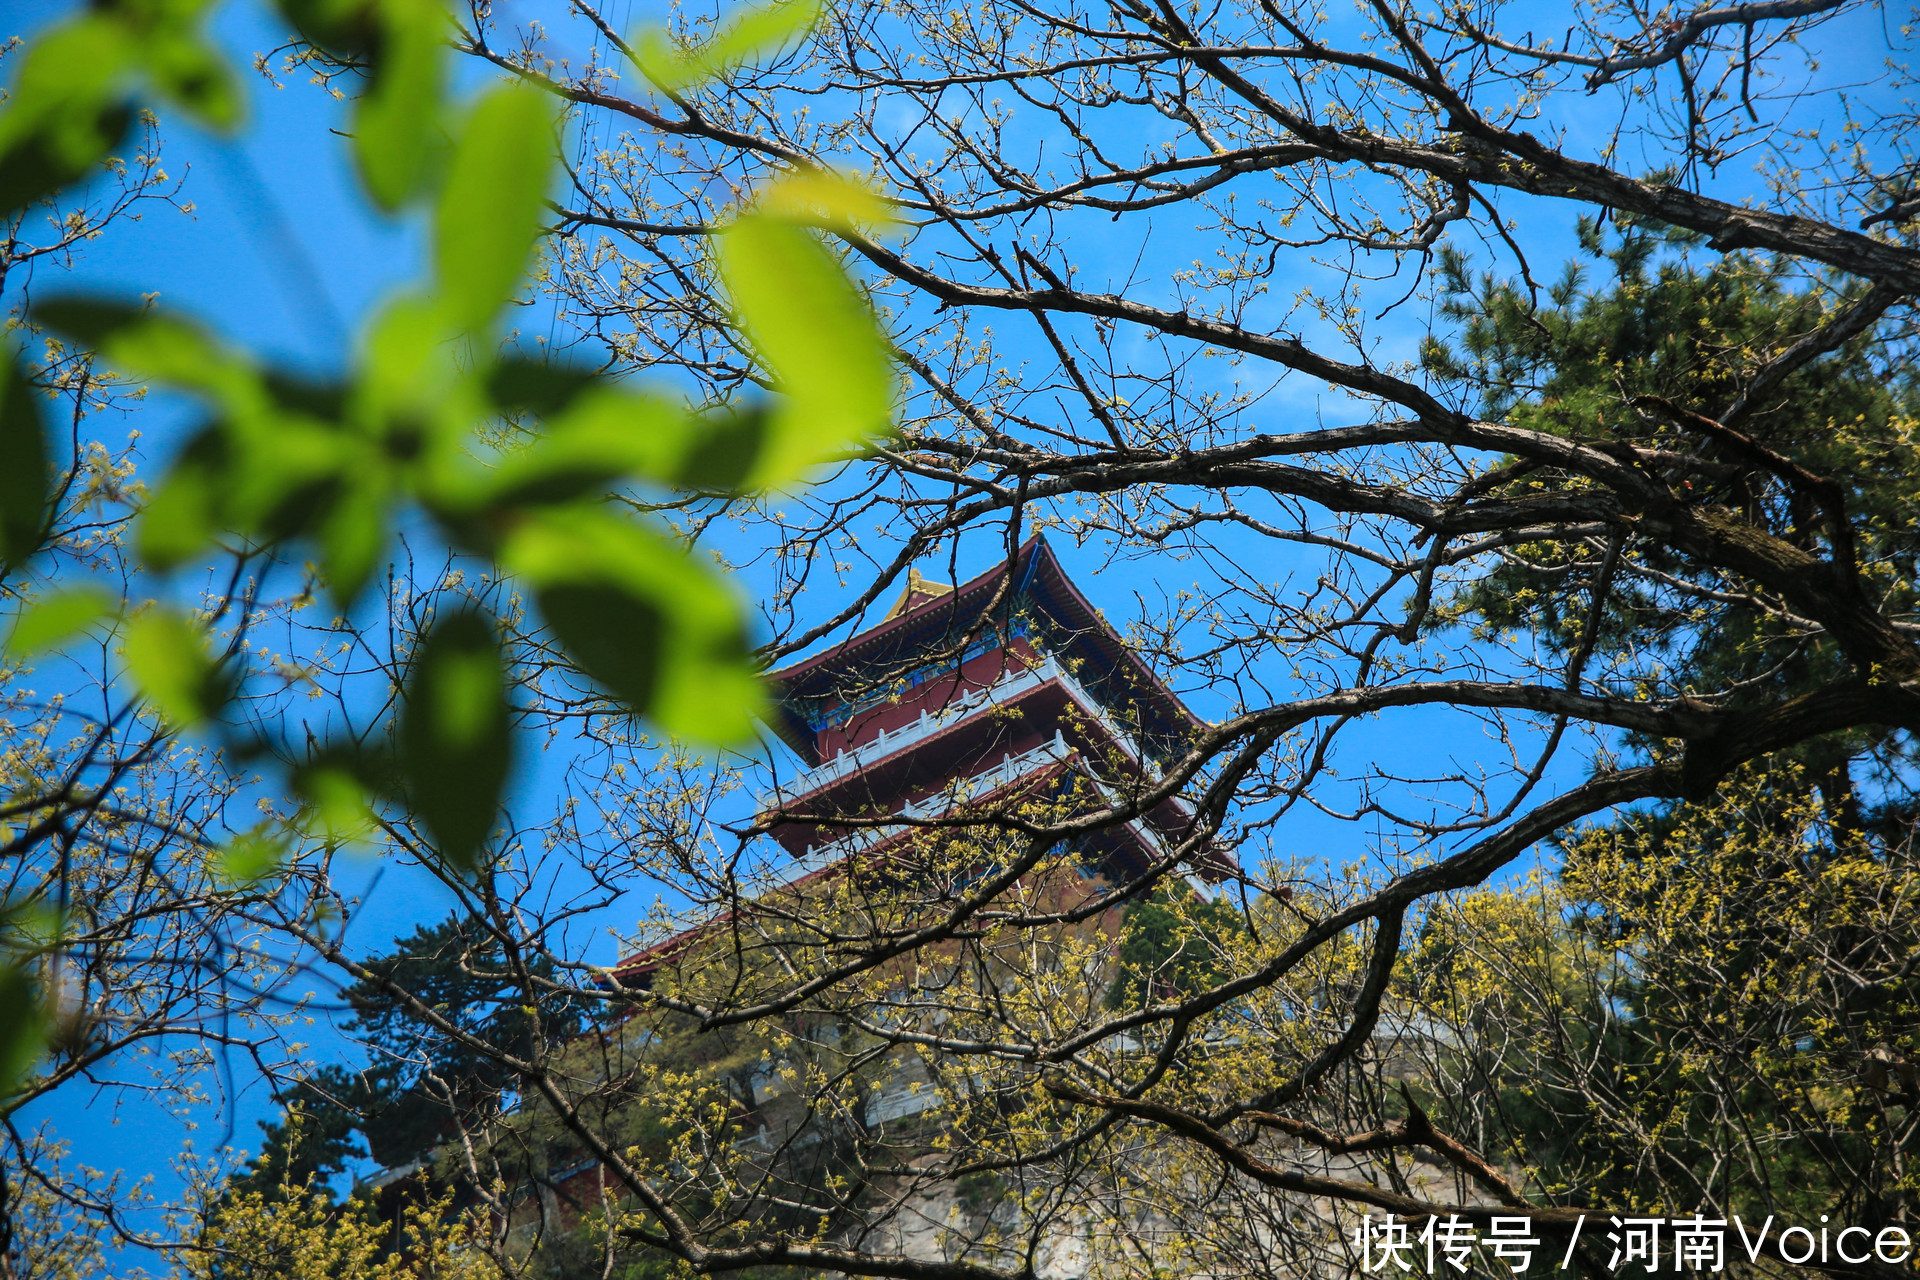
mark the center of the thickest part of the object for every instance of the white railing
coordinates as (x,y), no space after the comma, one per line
(927,723)
(1054,749)
(901,1101)
(889,741)
(934,806)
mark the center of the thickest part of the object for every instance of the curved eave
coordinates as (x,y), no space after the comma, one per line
(1041,578)
(1096,632)
(850,791)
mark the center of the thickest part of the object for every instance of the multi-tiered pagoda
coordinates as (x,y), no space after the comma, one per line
(969,700)
(1008,685)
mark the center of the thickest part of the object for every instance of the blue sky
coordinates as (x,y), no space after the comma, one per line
(280,251)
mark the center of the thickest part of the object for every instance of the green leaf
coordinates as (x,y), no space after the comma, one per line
(183,513)
(412,395)
(490,207)
(67,109)
(268,468)
(825,198)
(352,536)
(148,16)
(726,448)
(281,479)
(618,635)
(819,341)
(88,320)
(30,925)
(659,631)
(326,401)
(396,119)
(24,476)
(171,46)
(544,388)
(348,29)
(252,855)
(753,33)
(416,402)
(187,69)
(164,347)
(455,736)
(41,163)
(168,657)
(52,620)
(270,472)
(601,437)
(338,810)
(594,434)
(23,1025)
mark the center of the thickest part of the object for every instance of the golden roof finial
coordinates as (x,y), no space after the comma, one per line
(918,589)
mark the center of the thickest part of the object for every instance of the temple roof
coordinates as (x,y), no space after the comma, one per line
(932,623)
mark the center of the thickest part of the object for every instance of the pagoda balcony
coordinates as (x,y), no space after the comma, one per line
(1052,755)
(890,742)
(987,781)
(1054,751)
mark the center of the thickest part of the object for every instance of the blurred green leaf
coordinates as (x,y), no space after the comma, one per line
(397,119)
(617,633)
(413,396)
(88,320)
(168,657)
(455,737)
(23,1024)
(29,925)
(338,810)
(67,108)
(489,210)
(348,29)
(753,33)
(659,631)
(726,448)
(182,513)
(72,103)
(190,71)
(326,401)
(825,198)
(353,534)
(599,438)
(24,476)
(280,480)
(54,619)
(148,16)
(267,468)
(281,460)
(542,387)
(164,347)
(251,855)
(819,340)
